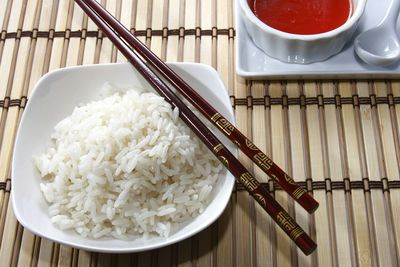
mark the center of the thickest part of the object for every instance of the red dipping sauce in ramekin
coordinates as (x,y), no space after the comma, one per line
(302,16)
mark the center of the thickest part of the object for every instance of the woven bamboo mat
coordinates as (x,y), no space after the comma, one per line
(340,139)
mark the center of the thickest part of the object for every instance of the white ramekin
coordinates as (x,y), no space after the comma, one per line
(298,48)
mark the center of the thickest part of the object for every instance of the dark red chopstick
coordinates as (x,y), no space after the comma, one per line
(251,150)
(281,217)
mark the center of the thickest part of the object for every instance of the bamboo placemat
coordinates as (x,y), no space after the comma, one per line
(340,139)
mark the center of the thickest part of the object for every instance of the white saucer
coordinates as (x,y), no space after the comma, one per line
(251,62)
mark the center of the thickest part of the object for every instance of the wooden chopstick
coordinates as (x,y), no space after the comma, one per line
(241,141)
(281,217)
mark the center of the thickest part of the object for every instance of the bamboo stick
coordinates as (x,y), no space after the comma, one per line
(157,23)
(189,48)
(26,255)
(144,259)
(308,158)
(84,259)
(293,91)
(261,137)
(9,121)
(172,42)
(362,241)
(28,246)
(5,9)
(9,227)
(382,212)
(243,203)
(126,19)
(283,248)
(338,219)
(107,52)
(184,253)
(370,170)
(327,174)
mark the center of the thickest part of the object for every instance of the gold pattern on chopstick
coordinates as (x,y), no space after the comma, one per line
(298,192)
(215,117)
(296,233)
(222,123)
(225,126)
(237,143)
(290,180)
(248,181)
(285,221)
(218,147)
(250,145)
(224,161)
(263,161)
(260,199)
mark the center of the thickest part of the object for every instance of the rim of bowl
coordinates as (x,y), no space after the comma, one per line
(358,11)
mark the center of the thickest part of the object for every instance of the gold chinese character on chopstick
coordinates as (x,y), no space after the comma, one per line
(223,123)
(263,161)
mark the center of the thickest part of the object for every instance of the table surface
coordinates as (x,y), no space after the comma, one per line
(338,138)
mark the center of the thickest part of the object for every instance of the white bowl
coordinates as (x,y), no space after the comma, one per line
(298,48)
(55,96)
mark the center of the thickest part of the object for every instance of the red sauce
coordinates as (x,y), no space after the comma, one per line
(302,16)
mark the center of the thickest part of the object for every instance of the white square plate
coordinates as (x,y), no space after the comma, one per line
(252,62)
(55,96)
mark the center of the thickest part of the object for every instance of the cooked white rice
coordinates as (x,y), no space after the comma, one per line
(125,166)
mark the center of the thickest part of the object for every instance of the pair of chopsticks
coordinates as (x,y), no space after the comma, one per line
(136,52)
